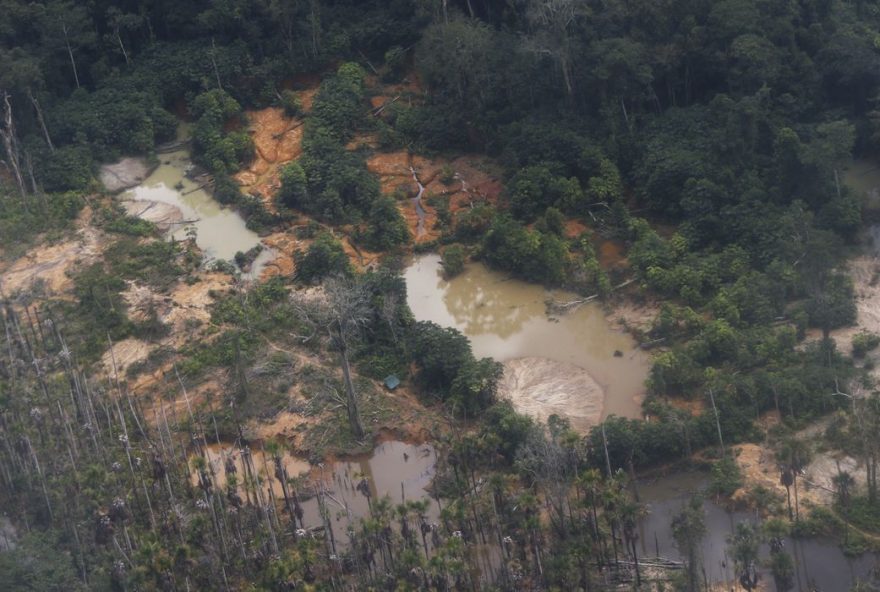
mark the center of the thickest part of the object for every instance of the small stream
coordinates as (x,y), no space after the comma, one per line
(417,203)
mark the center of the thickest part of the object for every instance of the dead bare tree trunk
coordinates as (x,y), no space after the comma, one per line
(121,44)
(214,64)
(70,53)
(10,144)
(41,119)
(351,403)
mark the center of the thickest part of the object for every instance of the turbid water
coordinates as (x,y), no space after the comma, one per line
(506,319)
(820,564)
(395,469)
(219,232)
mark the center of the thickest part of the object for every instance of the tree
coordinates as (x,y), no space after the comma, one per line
(342,311)
(66,25)
(831,303)
(452,259)
(553,22)
(324,257)
(794,455)
(121,23)
(294,186)
(385,227)
(781,564)
(744,545)
(688,530)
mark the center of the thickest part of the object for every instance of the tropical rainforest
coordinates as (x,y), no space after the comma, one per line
(709,140)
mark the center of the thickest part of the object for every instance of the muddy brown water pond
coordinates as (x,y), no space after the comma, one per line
(395,469)
(506,319)
(220,232)
(821,565)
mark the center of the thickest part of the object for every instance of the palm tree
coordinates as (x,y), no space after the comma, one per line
(688,530)
(843,485)
(744,548)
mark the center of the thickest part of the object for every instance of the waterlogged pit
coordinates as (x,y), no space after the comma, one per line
(576,361)
(395,469)
(818,564)
(187,207)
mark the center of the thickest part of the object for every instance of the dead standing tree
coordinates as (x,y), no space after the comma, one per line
(341,311)
(10,142)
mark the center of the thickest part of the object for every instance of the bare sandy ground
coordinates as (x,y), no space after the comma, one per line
(126,173)
(540,387)
(185,309)
(49,266)
(164,215)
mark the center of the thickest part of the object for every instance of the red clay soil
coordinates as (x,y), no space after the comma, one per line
(277,141)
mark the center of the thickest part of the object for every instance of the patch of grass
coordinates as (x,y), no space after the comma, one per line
(21,221)
(862,513)
(114,219)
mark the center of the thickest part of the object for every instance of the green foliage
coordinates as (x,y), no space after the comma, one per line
(726,477)
(385,227)
(535,188)
(116,119)
(99,310)
(448,369)
(863,342)
(220,151)
(338,107)
(291,103)
(324,257)
(21,222)
(68,168)
(452,258)
(831,304)
(294,190)
(530,254)
(395,64)
(507,429)
(339,187)
(34,565)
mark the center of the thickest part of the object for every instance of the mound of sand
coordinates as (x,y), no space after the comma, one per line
(164,215)
(124,174)
(540,387)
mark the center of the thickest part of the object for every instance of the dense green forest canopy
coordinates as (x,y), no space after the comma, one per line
(708,137)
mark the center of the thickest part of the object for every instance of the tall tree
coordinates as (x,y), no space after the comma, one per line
(342,311)
(688,530)
(66,26)
(553,24)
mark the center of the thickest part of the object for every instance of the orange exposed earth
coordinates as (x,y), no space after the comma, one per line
(277,141)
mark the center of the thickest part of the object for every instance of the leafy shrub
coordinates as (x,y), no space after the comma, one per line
(385,227)
(291,103)
(726,477)
(325,256)
(452,259)
(863,342)
(68,168)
